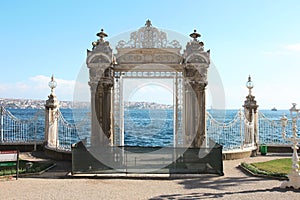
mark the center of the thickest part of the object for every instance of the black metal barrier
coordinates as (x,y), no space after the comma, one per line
(154,160)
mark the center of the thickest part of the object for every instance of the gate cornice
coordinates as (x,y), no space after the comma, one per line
(167,56)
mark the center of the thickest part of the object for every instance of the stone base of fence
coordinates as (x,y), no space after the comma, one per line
(22,147)
(239,154)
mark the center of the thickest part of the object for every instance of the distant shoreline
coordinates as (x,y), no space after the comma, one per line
(40,104)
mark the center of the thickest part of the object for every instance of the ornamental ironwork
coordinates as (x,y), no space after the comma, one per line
(148,37)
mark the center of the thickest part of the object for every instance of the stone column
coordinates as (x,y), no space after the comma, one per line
(101,100)
(51,118)
(190,115)
(107,110)
(251,112)
(95,126)
(99,61)
(200,137)
(196,64)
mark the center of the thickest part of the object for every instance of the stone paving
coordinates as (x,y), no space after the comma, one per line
(54,184)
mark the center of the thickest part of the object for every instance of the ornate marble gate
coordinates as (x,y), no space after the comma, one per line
(148,54)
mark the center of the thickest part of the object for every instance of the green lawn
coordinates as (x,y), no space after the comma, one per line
(273,168)
(35,167)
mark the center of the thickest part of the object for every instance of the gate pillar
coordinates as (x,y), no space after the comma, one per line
(250,109)
(51,117)
(195,71)
(99,62)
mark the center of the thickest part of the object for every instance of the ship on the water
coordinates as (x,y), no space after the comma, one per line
(273,109)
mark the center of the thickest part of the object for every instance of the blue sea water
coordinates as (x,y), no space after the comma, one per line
(148,127)
(142,127)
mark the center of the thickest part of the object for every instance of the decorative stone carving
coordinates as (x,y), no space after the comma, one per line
(148,37)
(99,59)
(96,74)
(194,52)
(197,62)
(107,83)
(250,103)
(101,52)
(93,87)
(194,75)
(158,57)
(101,45)
(51,102)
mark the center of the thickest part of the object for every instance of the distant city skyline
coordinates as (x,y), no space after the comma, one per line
(40,104)
(260,38)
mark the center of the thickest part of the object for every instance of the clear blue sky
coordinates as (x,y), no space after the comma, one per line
(258,37)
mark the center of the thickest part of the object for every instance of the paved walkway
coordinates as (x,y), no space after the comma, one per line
(234,185)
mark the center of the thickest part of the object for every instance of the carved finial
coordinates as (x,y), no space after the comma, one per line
(52,84)
(102,35)
(195,35)
(201,44)
(148,23)
(249,85)
(249,78)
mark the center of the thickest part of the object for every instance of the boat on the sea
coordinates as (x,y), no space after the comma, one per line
(273,109)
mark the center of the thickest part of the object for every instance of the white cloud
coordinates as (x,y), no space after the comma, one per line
(36,87)
(150,90)
(284,50)
(293,47)
(274,53)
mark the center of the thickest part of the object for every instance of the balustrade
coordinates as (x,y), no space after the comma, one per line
(233,135)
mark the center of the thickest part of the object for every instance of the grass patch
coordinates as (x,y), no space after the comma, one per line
(274,168)
(283,165)
(26,167)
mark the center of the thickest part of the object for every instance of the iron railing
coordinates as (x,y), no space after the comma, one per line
(14,130)
(236,134)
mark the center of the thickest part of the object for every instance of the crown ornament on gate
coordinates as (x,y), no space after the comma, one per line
(148,37)
(195,35)
(101,36)
(148,23)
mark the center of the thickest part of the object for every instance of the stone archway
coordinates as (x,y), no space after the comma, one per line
(148,51)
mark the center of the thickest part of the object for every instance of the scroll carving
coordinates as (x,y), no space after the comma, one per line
(148,37)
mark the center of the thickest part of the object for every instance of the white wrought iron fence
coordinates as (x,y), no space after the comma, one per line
(68,133)
(15,130)
(236,134)
(270,130)
(233,135)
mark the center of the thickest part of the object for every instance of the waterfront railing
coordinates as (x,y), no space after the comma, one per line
(237,134)
(233,135)
(68,133)
(14,130)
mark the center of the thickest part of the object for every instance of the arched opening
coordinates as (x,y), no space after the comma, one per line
(148,112)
